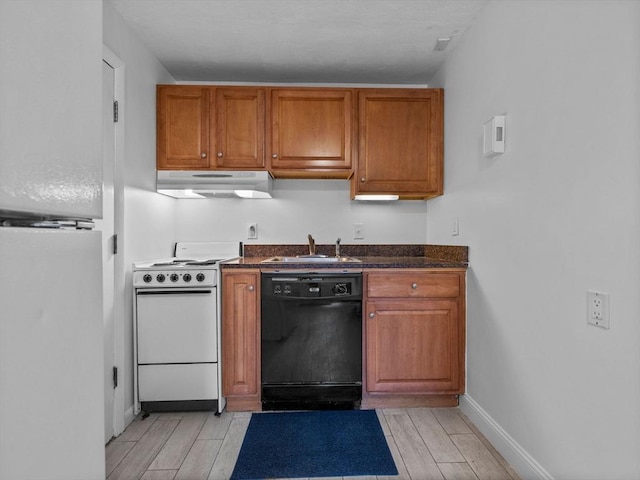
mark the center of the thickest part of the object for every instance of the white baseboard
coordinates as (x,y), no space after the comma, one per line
(523,463)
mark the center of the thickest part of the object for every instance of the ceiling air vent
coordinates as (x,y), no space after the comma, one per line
(441,44)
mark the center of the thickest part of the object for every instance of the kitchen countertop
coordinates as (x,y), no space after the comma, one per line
(371,256)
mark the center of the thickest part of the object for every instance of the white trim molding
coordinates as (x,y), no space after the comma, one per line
(122,417)
(523,463)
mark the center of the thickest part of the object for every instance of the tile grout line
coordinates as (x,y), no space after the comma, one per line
(492,450)
(423,441)
(404,464)
(226,431)
(163,444)
(135,442)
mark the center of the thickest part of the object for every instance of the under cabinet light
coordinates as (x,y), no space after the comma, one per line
(186,193)
(377,198)
(441,44)
(251,194)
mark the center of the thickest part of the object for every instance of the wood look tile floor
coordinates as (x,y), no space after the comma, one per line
(426,443)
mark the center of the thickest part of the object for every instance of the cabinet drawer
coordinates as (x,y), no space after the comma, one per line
(413,285)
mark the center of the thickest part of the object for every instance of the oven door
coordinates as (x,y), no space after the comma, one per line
(176,326)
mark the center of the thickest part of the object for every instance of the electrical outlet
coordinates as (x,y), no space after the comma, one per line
(598,309)
(358,231)
(252,231)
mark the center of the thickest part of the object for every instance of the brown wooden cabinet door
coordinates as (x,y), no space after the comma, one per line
(413,346)
(240,128)
(311,129)
(183,127)
(241,337)
(400,142)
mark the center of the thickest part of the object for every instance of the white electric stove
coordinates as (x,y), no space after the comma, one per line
(177,329)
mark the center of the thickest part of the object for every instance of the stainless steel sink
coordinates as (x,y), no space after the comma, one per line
(312,259)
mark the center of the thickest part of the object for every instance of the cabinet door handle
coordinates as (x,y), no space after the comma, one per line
(250,288)
(203,155)
(219,154)
(275,155)
(362,179)
(414,285)
(372,314)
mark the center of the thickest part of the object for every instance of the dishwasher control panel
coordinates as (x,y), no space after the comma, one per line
(312,285)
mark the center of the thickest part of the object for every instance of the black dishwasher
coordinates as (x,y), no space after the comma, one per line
(311,340)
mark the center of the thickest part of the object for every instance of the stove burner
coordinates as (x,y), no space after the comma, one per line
(184,261)
(172,262)
(212,261)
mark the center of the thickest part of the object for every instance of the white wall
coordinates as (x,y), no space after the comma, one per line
(558,213)
(148,217)
(321,208)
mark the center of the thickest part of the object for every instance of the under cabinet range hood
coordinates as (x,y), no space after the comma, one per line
(214,184)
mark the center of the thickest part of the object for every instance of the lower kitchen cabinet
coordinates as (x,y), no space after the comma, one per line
(414,338)
(241,339)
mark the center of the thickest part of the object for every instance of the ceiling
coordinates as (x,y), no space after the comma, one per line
(300,41)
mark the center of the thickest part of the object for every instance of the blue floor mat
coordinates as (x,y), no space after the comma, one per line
(314,444)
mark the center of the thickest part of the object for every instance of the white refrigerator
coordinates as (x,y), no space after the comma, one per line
(51,326)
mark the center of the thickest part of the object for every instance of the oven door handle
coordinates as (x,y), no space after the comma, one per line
(174,292)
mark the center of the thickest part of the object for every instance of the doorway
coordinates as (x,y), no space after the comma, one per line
(111,226)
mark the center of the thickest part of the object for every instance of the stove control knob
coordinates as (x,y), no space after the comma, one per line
(200,277)
(186,277)
(174,277)
(147,278)
(160,277)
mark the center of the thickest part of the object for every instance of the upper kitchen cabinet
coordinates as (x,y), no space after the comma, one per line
(203,128)
(311,133)
(400,148)
(239,132)
(183,127)
(391,138)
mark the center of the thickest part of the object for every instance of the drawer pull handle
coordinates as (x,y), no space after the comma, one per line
(371,315)
(414,285)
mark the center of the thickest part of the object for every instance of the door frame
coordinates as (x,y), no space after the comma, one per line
(119,411)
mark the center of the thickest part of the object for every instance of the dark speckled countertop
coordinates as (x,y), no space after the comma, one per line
(371,256)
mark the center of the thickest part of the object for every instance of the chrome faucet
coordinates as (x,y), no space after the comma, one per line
(312,245)
(338,247)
